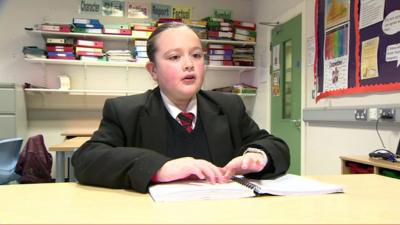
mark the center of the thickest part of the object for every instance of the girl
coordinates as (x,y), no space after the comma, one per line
(177,131)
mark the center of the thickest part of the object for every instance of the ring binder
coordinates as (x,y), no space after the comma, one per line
(247,184)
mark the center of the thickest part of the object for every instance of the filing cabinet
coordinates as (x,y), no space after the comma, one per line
(12,111)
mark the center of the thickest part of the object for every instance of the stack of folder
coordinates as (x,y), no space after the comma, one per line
(244,31)
(198,26)
(65,28)
(122,29)
(92,26)
(119,56)
(142,31)
(220,54)
(243,56)
(161,21)
(219,28)
(243,88)
(60,48)
(240,88)
(89,49)
(140,51)
(33,52)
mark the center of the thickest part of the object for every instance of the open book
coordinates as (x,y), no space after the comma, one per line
(240,187)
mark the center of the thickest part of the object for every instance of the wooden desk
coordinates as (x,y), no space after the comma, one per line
(68,146)
(368,198)
(377,164)
(77,133)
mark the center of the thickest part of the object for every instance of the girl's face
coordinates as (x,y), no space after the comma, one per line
(179,64)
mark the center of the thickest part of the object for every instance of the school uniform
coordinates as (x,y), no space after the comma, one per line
(137,135)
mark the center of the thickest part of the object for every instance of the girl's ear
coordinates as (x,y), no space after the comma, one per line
(151,68)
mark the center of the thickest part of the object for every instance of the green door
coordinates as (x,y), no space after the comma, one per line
(286,87)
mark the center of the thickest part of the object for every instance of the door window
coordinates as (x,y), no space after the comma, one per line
(287,80)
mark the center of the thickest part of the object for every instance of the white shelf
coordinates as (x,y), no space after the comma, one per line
(128,37)
(81,92)
(124,64)
(84,35)
(96,92)
(228,42)
(85,63)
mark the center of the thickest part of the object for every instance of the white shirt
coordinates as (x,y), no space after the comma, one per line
(174,110)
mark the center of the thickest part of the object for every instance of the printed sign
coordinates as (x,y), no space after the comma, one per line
(90,7)
(223,13)
(137,9)
(113,8)
(160,11)
(179,12)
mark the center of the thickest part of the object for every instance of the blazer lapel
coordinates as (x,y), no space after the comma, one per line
(217,130)
(153,124)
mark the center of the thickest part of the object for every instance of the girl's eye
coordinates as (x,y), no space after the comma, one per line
(174,57)
(197,55)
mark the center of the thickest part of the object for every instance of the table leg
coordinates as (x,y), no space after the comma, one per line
(60,166)
(70,167)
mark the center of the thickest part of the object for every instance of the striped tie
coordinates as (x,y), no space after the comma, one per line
(186,119)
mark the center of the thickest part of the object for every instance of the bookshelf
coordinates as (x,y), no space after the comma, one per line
(376,166)
(93,88)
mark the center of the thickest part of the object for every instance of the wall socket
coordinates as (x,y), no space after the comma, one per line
(360,114)
(387,113)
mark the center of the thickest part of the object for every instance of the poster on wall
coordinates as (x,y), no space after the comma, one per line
(137,10)
(90,7)
(336,60)
(160,11)
(275,57)
(371,12)
(310,51)
(113,8)
(337,12)
(369,58)
(275,81)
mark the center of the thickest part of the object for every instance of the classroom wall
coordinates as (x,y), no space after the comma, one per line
(324,142)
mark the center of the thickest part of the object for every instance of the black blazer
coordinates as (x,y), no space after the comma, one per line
(130,144)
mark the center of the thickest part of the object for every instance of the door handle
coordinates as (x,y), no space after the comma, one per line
(297,123)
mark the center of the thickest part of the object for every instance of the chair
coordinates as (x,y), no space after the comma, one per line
(9,153)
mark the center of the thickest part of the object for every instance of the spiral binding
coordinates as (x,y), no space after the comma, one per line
(247,184)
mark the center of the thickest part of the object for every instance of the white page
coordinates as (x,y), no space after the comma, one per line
(290,184)
(196,190)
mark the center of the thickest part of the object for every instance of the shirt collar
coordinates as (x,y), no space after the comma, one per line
(174,110)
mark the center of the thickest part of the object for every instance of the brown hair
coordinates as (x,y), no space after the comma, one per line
(151,42)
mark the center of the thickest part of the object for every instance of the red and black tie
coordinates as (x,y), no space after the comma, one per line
(186,119)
